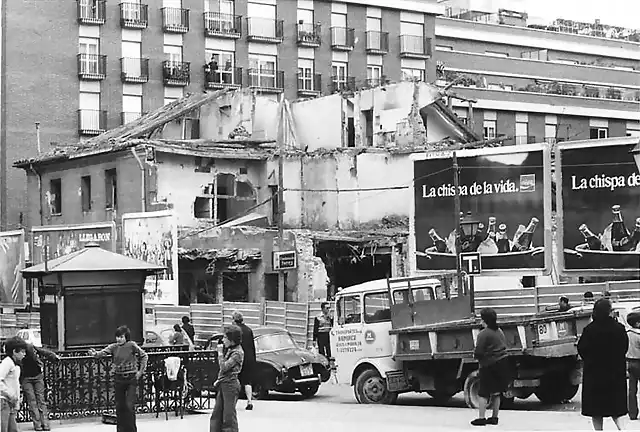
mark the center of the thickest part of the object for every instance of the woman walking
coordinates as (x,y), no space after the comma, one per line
(494,373)
(130,362)
(603,348)
(224,417)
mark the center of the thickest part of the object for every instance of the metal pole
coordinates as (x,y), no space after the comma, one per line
(456,217)
(281,275)
(472,295)
(38,138)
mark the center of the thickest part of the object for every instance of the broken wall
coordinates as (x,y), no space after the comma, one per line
(318,122)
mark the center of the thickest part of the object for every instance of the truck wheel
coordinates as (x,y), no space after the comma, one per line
(440,396)
(471,396)
(371,388)
(554,390)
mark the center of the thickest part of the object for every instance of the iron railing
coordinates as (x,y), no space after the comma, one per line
(265,30)
(92,66)
(92,12)
(265,80)
(176,73)
(222,25)
(175,20)
(222,77)
(342,38)
(309,34)
(134,15)
(415,46)
(342,84)
(377,42)
(134,70)
(375,82)
(309,85)
(92,122)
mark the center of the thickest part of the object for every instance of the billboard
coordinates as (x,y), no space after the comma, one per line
(12,286)
(507,192)
(598,205)
(153,237)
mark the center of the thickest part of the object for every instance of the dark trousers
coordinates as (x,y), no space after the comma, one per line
(125,402)
(633,367)
(324,344)
(34,394)
(224,417)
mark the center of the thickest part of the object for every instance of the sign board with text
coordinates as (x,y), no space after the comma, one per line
(286,260)
(506,190)
(598,206)
(471,263)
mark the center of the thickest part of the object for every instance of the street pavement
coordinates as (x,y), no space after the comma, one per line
(335,410)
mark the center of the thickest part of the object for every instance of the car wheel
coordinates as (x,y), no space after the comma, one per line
(259,391)
(309,390)
(371,388)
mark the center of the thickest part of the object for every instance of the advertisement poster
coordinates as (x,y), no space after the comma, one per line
(599,206)
(153,237)
(12,286)
(505,191)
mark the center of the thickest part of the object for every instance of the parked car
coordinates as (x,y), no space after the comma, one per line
(282,365)
(157,336)
(30,335)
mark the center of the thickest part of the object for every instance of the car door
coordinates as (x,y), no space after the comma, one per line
(377,323)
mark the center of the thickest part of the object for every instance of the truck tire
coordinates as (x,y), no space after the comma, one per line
(471,396)
(371,388)
(555,389)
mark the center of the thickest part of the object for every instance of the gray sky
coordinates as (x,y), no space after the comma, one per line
(625,13)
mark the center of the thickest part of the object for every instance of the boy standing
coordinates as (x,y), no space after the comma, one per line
(10,397)
(33,385)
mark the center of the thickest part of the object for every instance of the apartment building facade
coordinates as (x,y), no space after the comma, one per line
(562,81)
(79,68)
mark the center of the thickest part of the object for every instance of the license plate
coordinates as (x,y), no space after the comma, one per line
(544,332)
(306,370)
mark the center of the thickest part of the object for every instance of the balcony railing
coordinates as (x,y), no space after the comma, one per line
(175,20)
(134,15)
(375,82)
(415,47)
(270,81)
(221,25)
(309,35)
(134,70)
(92,12)
(342,38)
(309,84)
(128,117)
(520,139)
(176,73)
(265,30)
(92,122)
(222,78)
(548,87)
(92,66)
(377,42)
(342,84)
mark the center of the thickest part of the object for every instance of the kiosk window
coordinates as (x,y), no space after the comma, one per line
(376,308)
(349,310)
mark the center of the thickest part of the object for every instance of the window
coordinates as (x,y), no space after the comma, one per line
(377,308)
(131,54)
(85,193)
(261,20)
(131,107)
(305,74)
(409,74)
(305,16)
(522,128)
(349,310)
(374,24)
(401,296)
(339,31)
(173,53)
(263,70)
(224,199)
(550,132)
(633,128)
(220,66)
(132,10)
(489,127)
(55,197)
(222,6)
(90,119)
(599,133)
(89,48)
(111,189)
(339,74)
(374,74)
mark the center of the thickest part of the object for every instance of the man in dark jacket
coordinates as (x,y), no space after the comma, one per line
(188,329)
(321,331)
(248,366)
(33,385)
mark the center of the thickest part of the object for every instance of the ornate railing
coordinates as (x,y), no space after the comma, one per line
(81,386)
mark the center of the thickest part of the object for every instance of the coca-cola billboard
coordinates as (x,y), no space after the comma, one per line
(505,191)
(598,203)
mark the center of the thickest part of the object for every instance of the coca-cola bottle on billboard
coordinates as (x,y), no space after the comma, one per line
(523,242)
(438,242)
(592,240)
(502,239)
(480,236)
(631,242)
(491,230)
(488,246)
(619,232)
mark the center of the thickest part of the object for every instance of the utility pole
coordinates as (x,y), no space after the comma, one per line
(456,216)
(280,200)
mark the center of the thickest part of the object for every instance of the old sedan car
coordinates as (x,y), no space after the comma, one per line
(282,365)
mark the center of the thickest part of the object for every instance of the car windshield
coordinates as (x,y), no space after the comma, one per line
(274,342)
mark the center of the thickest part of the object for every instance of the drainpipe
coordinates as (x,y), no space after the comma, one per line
(143,184)
(33,170)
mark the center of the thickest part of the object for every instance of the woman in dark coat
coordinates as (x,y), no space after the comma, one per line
(603,347)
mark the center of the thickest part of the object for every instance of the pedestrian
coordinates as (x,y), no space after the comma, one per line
(10,396)
(563,304)
(494,368)
(32,378)
(588,298)
(130,362)
(224,417)
(177,338)
(633,362)
(603,348)
(321,331)
(188,329)
(249,364)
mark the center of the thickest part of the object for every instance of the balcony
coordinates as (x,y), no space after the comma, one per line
(266,81)
(309,35)
(92,122)
(128,117)
(222,78)
(342,38)
(92,67)
(265,30)
(309,85)
(222,25)
(92,12)
(134,15)
(416,47)
(377,42)
(342,84)
(134,70)
(176,74)
(375,82)
(175,20)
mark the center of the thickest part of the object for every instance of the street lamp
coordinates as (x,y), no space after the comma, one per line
(468,230)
